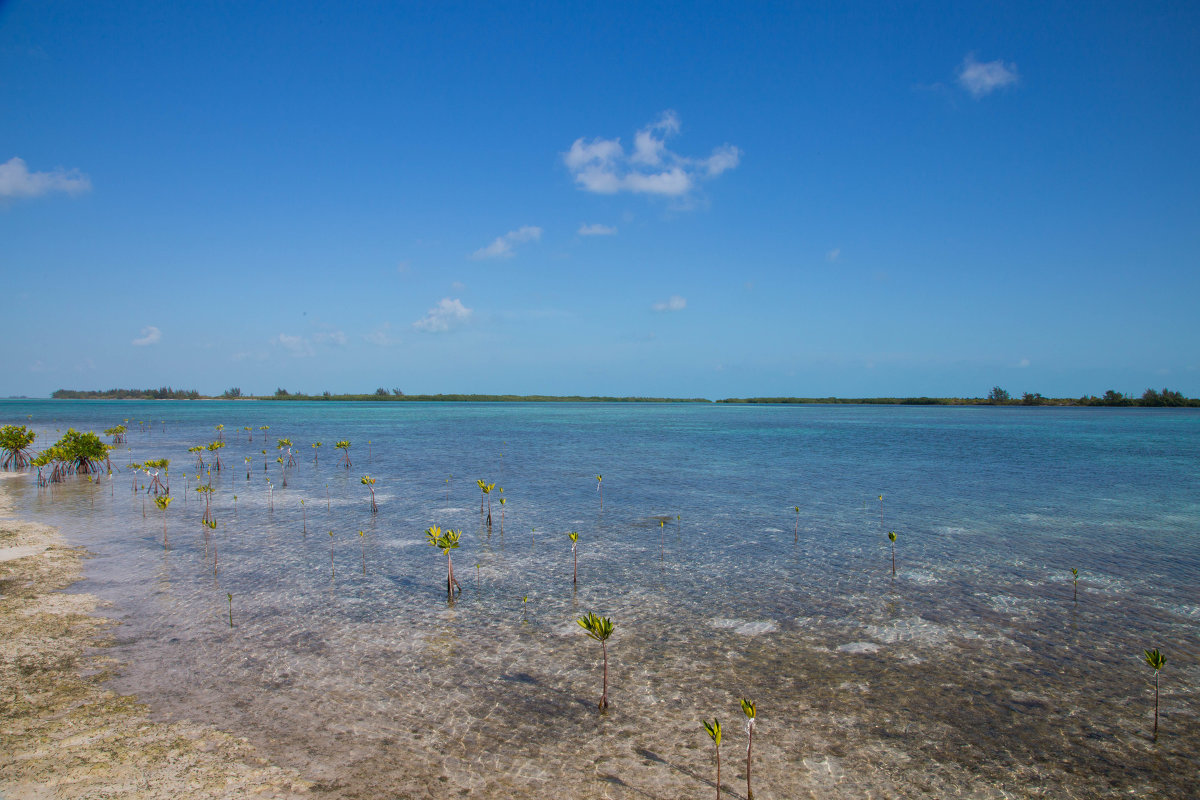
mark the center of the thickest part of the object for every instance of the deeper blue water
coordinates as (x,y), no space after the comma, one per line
(973,672)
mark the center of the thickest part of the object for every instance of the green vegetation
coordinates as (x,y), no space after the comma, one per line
(892,539)
(575,553)
(714,732)
(161,393)
(599,628)
(1151,398)
(1156,661)
(751,713)
(1075,580)
(446,541)
(15,441)
(369,482)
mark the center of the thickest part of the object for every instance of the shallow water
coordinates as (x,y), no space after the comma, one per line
(972,673)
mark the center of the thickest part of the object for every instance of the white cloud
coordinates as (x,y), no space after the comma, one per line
(833,254)
(443,316)
(1024,362)
(597,229)
(149,335)
(298,346)
(674,303)
(602,166)
(503,246)
(17,181)
(983,78)
(381,336)
(458,286)
(330,337)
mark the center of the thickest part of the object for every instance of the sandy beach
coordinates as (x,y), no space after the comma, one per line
(65,736)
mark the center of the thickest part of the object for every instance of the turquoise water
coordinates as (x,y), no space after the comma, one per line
(973,672)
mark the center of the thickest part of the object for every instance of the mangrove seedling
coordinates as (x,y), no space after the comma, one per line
(1156,661)
(362,544)
(316,446)
(220,432)
(600,489)
(249,433)
(881,511)
(599,628)
(446,541)
(286,444)
(662,545)
(486,489)
(369,482)
(198,452)
(207,491)
(892,539)
(264,455)
(303,519)
(117,432)
(264,429)
(575,554)
(524,606)
(247,459)
(162,501)
(230,596)
(344,446)
(1075,580)
(214,448)
(502,516)
(797,509)
(714,732)
(448,487)
(270,495)
(235,504)
(751,714)
(14,443)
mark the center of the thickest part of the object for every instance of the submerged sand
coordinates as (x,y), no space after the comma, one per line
(62,735)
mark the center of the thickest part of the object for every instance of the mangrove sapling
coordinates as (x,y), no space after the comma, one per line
(599,628)
(198,452)
(1075,580)
(501,516)
(215,448)
(1156,661)
(249,433)
(362,544)
(235,504)
(207,491)
(316,446)
(15,441)
(162,501)
(303,519)
(600,489)
(220,433)
(892,539)
(714,732)
(524,607)
(369,482)
(797,508)
(264,429)
(751,714)
(881,511)
(446,541)
(486,489)
(264,455)
(230,596)
(344,446)
(662,545)
(247,459)
(286,444)
(575,555)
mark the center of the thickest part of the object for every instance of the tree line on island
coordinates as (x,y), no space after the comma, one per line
(1151,398)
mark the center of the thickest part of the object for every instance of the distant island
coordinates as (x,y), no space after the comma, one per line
(1151,398)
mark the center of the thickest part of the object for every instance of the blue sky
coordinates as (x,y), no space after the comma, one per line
(712,199)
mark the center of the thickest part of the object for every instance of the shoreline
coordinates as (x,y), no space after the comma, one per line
(64,734)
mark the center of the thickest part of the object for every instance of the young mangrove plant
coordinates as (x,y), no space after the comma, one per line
(524,607)
(447,541)
(575,555)
(207,491)
(751,714)
(215,449)
(117,432)
(502,516)
(316,446)
(1156,661)
(249,433)
(15,441)
(892,539)
(198,452)
(714,733)
(1075,581)
(247,460)
(599,628)
(151,469)
(220,433)
(369,482)
(362,545)
(264,455)
(303,519)
(600,489)
(332,572)
(162,501)
(264,429)
(881,511)
(797,510)
(486,494)
(230,596)
(344,446)
(286,444)
(81,453)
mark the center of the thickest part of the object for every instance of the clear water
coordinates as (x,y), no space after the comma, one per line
(972,673)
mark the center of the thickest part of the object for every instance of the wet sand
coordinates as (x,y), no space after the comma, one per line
(62,734)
